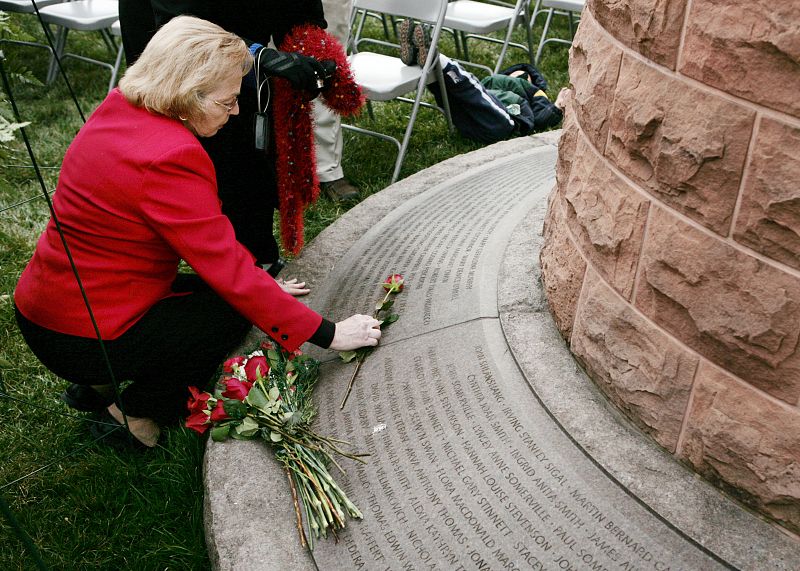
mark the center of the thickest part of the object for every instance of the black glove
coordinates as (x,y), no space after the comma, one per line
(303,72)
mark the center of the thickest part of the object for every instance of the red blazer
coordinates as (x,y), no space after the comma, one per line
(136,194)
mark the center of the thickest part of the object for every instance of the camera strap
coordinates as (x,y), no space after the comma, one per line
(261,123)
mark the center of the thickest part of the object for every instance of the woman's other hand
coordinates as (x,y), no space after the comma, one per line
(356,331)
(293,287)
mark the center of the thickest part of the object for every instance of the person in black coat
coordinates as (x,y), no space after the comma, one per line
(245,175)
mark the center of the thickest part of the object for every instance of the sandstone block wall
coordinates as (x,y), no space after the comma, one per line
(672,242)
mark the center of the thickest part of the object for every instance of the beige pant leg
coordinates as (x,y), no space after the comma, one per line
(327,127)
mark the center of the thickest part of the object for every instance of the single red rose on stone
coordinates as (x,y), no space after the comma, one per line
(256,365)
(393,283)
(227,366)
(219,412)
(198,401)
(236,389)
(198,421)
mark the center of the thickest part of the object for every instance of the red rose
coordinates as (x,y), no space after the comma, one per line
(266,345)
(236,389)
(198,402)
(393,283)
(227,366)
(256,365)
(198,421)
(219,412)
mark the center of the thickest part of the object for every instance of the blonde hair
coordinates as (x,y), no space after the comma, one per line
(184,61)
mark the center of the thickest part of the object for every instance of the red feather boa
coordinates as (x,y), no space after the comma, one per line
(298,185)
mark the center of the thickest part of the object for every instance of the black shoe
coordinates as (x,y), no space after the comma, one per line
(339,189)
(85,398)
(107,430)
(275,267)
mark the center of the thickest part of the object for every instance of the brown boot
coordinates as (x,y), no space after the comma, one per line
(408,51)
(422,41)
(339,189)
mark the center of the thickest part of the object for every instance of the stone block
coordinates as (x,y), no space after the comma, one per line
(641,370)
(739,312)
(750,48)
(607,218)
(683,145)
(740,438)
(566,145)
(769,216)
(651,27)
(593,70)
(563,269)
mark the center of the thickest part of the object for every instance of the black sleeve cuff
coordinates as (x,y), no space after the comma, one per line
(323,336)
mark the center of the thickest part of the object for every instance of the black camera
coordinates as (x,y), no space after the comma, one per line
(330,68)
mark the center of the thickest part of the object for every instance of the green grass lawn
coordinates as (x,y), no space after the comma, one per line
(96,508)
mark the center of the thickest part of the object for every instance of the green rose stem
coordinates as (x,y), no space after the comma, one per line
(350,384)
(321,495)
(298,515)
(363,356)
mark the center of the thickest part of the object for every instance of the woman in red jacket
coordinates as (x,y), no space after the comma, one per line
(136,195)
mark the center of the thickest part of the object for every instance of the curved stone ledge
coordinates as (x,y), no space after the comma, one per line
(486,370)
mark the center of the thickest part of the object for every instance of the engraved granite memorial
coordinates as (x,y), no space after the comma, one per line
(467,470)
(468,467)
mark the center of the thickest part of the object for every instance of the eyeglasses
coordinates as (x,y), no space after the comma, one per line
(228,106)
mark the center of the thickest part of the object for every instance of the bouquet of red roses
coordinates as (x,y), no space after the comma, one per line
(267,395)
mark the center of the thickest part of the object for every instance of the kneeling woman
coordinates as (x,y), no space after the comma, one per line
(137,194)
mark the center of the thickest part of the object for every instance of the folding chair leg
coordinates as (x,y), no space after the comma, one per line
(407,136)
(385,26)
(511,28)
(537,9)
(464,45)
(457,44)
(56,61)
(359,29)
(111,45)
(24,43)
(445,99)
(529,35)
(117,64)
(403,148)
(544,36)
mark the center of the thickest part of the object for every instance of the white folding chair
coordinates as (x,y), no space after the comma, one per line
(83,15)
(473,19)
(25,7)
(570,8)
(385,78)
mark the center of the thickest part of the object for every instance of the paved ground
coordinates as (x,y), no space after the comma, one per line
(474,323)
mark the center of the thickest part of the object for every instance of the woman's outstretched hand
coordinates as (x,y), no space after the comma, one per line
(356,331)
(293,287)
